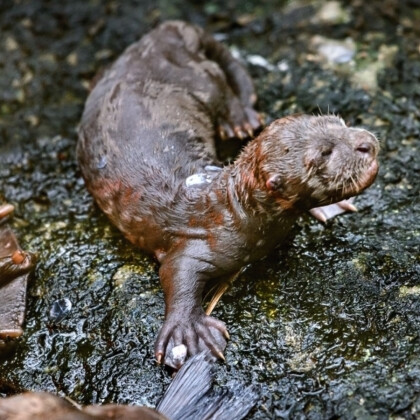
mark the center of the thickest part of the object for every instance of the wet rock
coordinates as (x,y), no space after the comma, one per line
(60,309)
(366,76)
(334,51)
(332,12)
(257,60)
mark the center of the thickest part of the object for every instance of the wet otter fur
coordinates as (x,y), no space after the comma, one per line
(147,153)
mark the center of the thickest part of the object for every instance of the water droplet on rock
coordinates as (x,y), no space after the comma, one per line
(60,309)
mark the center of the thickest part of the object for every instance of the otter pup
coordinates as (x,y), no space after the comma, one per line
(147,153)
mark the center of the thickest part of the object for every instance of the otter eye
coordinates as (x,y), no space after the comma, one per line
(326,152)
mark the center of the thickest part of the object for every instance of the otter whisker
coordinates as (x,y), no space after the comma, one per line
(354,183)
(308,176)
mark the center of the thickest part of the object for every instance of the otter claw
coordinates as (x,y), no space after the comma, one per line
(200,333)
(222,133)
(347,205)
(318,214)
(241,125)
(239,133)
(248,128)
(255,120)
(225,131)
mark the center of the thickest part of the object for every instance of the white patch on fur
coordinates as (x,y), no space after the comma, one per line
(198,180)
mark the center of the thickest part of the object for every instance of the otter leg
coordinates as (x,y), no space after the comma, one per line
(242,120)
(186,324)
(325,213)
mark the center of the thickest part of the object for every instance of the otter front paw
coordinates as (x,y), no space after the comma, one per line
(325,213)
(183,335)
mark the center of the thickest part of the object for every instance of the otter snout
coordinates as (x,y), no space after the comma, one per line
(366,147)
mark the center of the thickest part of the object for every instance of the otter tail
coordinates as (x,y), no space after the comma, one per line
(189,396)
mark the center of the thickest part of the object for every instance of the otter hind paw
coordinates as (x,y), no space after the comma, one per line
(242,122)
(179,339)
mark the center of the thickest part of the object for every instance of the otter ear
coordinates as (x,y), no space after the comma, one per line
(274,183)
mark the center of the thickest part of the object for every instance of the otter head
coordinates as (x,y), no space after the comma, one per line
(313,161)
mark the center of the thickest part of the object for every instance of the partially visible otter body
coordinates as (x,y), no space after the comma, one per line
(189,397)
(16,266)
(147,152)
